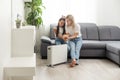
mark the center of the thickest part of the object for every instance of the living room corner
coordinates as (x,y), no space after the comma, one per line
(29,31)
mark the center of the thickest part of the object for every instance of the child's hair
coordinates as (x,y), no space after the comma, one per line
(70,17)
(64,31)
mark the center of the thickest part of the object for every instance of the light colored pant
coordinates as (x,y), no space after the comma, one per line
(75,47)
(59,41)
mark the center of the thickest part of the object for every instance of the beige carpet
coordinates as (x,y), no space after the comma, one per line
(89,69)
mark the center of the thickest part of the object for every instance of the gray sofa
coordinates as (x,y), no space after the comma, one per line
(98,42)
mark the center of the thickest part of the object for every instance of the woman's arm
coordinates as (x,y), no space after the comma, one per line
(74,36)
(67,36)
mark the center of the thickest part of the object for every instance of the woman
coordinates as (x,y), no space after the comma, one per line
(60,31)
(75,39)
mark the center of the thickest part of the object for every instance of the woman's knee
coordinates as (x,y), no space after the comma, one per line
(71,43)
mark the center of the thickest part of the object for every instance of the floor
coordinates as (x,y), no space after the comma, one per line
(88,69)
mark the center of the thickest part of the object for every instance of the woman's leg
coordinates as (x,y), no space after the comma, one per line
(72,53)
(78,48)
(68,45)
(72,49)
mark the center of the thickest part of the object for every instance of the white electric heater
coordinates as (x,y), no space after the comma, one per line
(56,54)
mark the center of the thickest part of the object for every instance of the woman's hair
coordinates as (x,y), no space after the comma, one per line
(64,31)
(70,17)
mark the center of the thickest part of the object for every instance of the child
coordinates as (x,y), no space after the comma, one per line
(60,32)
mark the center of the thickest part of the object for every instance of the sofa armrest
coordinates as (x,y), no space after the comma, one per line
(46,39)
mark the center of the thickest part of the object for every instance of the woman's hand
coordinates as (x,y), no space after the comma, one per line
(65,37)
(73,36)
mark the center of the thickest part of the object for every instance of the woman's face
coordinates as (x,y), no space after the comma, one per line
(61,23)
(68,22)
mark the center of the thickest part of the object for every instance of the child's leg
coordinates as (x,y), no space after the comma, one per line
(58,41)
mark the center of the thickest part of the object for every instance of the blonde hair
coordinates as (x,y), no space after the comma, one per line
(70,17)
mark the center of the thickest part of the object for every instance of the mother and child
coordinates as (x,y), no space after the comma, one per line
(68,32)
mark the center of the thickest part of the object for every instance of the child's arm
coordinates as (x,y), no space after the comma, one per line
(60,36)
(55,31)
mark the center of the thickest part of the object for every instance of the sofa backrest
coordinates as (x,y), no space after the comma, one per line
(52,36)
(109,33)
(89,31)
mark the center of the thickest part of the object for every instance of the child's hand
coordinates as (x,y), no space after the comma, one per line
(54,30)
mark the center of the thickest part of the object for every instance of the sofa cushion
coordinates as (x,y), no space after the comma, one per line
(83,31)
(109,33)
(89,31)
(93,44)
(110,42)
(52,36)
(112,46)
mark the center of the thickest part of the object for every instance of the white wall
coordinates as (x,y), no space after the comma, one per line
(108,12)
(97,11)
(82,10)
(5,33)
(17,8)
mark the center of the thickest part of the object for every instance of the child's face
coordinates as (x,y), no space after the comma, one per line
(61,23)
